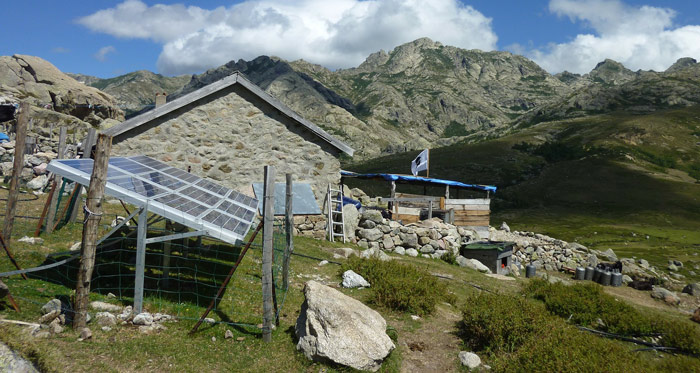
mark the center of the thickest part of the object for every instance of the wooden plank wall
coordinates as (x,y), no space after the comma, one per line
(470,212)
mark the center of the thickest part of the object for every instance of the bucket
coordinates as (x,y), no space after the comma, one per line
(589,274)
(529,270)
(605,278)
(596,275)
(580,273)
(616,279)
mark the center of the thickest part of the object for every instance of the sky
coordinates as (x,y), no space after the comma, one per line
(109,38)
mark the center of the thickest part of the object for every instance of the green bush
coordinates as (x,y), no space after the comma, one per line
(498,323)
(584,304)
(400,287)
(449,257)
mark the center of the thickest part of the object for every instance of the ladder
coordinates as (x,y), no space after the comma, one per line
(336,220)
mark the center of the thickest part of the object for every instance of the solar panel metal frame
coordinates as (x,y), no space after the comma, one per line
(173,183)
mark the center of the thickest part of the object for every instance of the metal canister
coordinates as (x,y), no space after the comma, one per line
(596,274)
(605,278)
(530,270)
(616,279)
(580,273)
(589,273)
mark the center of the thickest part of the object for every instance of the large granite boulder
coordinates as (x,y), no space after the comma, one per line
(333,327)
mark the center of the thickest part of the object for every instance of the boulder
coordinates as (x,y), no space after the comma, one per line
(105,319)
(368,224)
(696,315)
(375,252)
(609,255)
(399,250)
(53,304)
(666,295)
(351,219)
(514,270)
(105,307)
(31,240)
(333,327)
(370,234)
(479,266)
(143,318)
(373,215)
(409,239)
(504,227)
(412,252)
(469,359)
(388,242)
(38,182)
(692,289)
(354,280)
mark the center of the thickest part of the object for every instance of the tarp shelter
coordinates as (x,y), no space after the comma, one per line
(417,180)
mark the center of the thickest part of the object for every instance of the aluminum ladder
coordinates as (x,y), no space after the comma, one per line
(336,219)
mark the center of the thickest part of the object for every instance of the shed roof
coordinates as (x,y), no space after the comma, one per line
(229,81)
(417,180)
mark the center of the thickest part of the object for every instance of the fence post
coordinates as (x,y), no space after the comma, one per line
(289,227)
(140,270)
(93,212)
(54,197)
(267,284)
(87,147)
(21,136)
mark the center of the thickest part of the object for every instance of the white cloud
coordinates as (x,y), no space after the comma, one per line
(101,54)
(338,33)
(639,37)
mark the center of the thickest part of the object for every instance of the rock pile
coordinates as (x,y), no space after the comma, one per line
(431,238)
(56,314)
(34,173)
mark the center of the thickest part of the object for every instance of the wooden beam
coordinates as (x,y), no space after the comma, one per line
(267,282)
(87,147)
(51,217)
(18,164)
(93,213)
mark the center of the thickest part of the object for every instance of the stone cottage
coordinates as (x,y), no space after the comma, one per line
(228,131)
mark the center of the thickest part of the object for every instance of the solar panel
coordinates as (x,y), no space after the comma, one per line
(303,199)
(170,192)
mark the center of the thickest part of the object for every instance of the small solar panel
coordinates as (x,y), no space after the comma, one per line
(170,192)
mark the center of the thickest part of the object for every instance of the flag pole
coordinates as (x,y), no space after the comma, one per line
(427,169)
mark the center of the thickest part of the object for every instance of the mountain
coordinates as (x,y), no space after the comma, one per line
(425,94)
(54,97)
(136,90)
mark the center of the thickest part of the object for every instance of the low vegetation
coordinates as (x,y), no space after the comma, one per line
(588,305)
(518,334)
(400,287)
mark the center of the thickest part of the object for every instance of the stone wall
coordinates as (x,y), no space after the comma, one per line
(229,136)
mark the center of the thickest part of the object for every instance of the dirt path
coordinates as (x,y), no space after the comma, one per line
(434,347)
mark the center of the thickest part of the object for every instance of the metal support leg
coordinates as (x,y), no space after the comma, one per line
(140,260)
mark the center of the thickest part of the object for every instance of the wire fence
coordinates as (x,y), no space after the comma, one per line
(182,277)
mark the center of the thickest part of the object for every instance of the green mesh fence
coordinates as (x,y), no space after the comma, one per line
(182,276)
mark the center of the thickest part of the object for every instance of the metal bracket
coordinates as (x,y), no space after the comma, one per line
(175,236)
(116,227)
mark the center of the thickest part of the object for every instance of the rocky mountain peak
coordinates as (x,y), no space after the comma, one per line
(681,64)
(611,72)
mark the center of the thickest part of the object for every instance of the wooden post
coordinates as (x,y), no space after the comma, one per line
(21,136)
(267,284)
(87,146)
(430,209)
(447,192)
(392,204)
(140,267)
(289,228)
(93,212)
(54,198)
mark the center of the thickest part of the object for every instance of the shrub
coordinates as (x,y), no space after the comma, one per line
(449,257)
(498,323)
(400,287)
(584,304)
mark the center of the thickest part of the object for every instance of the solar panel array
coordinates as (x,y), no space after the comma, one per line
(170,192)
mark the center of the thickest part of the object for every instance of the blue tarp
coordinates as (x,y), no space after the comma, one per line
(4,138)
(417,179)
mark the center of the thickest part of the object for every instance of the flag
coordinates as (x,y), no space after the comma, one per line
(420,163)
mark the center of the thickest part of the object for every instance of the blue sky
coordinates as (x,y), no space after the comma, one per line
(108,38)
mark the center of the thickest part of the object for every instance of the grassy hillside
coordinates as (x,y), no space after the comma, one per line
(605,181)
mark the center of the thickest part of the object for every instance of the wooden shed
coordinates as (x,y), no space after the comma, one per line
(472,213)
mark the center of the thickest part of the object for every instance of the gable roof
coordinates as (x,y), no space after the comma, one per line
(229,81)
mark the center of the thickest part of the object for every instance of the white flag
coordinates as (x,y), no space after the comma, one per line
(420,163)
